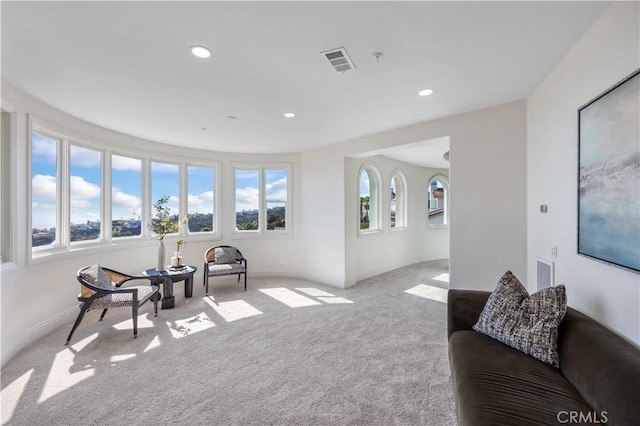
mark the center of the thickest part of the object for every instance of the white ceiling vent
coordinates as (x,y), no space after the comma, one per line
(339,60)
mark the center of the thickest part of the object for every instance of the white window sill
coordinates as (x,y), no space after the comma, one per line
(369,233)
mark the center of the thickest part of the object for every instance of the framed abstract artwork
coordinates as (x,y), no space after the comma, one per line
(609,175)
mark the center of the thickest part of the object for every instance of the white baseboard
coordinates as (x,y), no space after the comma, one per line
(14,346)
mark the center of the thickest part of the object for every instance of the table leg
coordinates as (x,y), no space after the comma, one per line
(168,300)
(188,286)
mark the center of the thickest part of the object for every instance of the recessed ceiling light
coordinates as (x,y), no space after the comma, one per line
(425,92)
(289,114)
(201,52)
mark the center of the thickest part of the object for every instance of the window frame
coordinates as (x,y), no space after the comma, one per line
(181,213)
(67,207)
(223,187)
(58,243)
(7,192)
(217,191)
(62,243)
(375,199)
(62,246)
(445,185)
(108,194)
(401,201)
(262,230)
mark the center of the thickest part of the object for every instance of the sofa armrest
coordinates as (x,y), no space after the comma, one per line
(464,308)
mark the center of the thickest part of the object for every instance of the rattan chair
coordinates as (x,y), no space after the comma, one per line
(101,288)
(224,260)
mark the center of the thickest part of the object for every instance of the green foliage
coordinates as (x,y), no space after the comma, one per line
(247,220)
(276,218)
(247,226)
(364,212)
(200,222)
(163,222)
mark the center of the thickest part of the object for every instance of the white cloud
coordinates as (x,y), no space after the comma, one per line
(277,190)
(124,200)
(84,157)
(44,147)
(82,191)
(43,214)
(125,163)
(84,207)
(43,186)
(246,199)
(201,203)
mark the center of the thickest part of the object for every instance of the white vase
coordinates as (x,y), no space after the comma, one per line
(161,252)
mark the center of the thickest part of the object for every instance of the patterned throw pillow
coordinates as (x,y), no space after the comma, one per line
(526,323)
(96,276)
(225,255)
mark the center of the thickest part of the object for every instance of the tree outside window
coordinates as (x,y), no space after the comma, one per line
(369,199)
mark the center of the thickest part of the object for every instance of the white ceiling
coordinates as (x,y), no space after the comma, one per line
(127,65)
(429,153)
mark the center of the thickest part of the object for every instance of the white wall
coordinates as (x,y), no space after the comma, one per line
(323,217)
(487,214)
(390,249)
(607,53)
(38,296)
(487,187)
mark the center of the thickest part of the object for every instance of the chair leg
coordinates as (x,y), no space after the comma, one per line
(83,310)
(103,314)
(245,281)
(134,309)
(155,304)
(239,277)
(206,284)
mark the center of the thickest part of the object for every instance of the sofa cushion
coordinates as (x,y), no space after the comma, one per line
(114,300)
(96,276)
(497,385)
(225,255)
(527,323)
(226,269)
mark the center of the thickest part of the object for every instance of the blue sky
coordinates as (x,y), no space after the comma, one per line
(85,185)
(364,184)
(247,183)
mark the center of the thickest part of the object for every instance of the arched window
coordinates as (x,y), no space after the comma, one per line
(438,201)
(398,201)
(369,198)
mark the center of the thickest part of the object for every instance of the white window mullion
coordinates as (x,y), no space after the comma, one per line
(63,187)
(106,200)
(146,198)
(183,193)
(262,215)
(217,196)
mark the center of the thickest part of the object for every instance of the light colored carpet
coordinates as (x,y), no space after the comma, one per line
(286,352)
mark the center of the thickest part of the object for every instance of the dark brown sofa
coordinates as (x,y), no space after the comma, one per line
(598,381)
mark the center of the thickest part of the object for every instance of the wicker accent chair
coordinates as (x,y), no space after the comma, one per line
(224,260)
(101,288)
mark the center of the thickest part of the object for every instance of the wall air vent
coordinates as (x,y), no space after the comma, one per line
(544,273)
(339,60)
